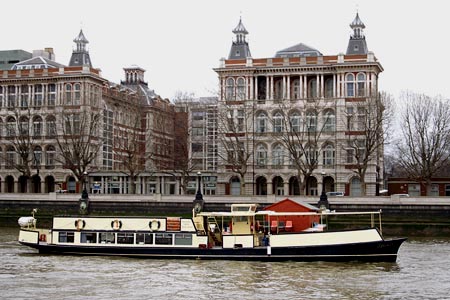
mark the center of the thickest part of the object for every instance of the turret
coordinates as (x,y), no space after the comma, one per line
(357,43)
(239,47)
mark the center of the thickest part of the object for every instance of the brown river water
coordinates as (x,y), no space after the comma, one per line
(421,272)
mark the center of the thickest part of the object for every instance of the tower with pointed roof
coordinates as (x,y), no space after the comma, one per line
(357,43)
(80,55)
(240,48)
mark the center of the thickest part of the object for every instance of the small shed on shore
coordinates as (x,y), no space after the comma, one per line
(299,223)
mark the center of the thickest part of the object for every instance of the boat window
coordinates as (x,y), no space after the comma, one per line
(125,238)
(144,238)
(107,237)
(89,237)
(66,237)
(163,239)
(183,239)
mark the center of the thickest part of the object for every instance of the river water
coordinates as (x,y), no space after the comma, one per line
(421,272)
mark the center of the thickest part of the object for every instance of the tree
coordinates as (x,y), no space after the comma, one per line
(368,125)
(78,141)
(424,150)
(301,134)
(234,131)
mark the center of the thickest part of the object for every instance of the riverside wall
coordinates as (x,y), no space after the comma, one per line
(412,216)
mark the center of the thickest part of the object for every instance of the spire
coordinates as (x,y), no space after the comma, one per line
(80,55)
(240,48)
(357,43)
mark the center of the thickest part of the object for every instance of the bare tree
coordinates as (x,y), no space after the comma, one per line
(129,145)
(78,141)
(368,125)
(234,130)
(301,134)
(424,150)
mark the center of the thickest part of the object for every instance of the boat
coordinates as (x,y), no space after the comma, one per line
(243,233)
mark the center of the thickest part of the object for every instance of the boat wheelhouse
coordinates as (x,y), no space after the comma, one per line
(244,233)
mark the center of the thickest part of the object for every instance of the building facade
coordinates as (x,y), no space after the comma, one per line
(297,123)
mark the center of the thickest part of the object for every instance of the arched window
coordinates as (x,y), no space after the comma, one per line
(328,156)
(229,89)
(361,78)
(329,88)
(312,88)
(37,126)
(77,93)
(51,126)
(10,127)
(68,94)
(10,157)
(295,121)
(50,156)
(278,122)
(37,156)
(261,122)
(329,120)
(24,126)
(311,154)
(240,89)
(261,156)
(355,187)
(278,155)
(350,82)
(311,121)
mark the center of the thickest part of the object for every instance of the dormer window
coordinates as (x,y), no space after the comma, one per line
(356,48)
(238,53)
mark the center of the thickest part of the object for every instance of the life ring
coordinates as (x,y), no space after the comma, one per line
(80,224)
(154,225)
(116,224)
(42,237)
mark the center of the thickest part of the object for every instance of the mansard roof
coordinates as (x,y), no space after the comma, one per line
(298,50)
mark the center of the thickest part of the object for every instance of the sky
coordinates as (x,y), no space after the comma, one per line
(179,42)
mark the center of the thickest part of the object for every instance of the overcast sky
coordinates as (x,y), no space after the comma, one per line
(180,42)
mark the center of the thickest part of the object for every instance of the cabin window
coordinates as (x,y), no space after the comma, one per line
(89,237)
(163,239)
(144,238)
(107,237)
(66,237)
(125,238)
(183,239)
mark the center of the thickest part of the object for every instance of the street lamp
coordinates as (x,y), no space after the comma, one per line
(84,200)
(323,201)
(198,202)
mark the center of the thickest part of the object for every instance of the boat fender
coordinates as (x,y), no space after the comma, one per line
(80,224)
(42,237)
(154,225)
(116,224)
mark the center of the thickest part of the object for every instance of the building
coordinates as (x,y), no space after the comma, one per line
(297,123)
(46,106)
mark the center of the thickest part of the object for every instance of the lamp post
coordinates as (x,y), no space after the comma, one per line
(323,201)
(198,202)
(84,200)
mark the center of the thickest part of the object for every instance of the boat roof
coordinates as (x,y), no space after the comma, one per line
(278,214)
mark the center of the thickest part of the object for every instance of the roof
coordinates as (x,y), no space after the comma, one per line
(293,206)
(38,60)
(298,50)
(357,22)
(81,38)
(240,28)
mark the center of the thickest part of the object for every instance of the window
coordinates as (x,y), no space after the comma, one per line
(296,89)
(77,93)
(229,89)
(329,88)
(311,121)
(350,83)
(240,120)
(198,115)
(240,89)
(350,117)
(197,147)
(37,126)
(278,122)
(261,123)
(50,156)
(328,156)
(311,155)
(51,126)
(38,96)
(183,239)
(10,127)
(329,120)
(125,238)
(278,155)
(68,94)
(312,88)
(24,126)
(10,157)
(51,96)
(24,96)
(278,89)
(198,131)
(107,237)
(163,239)
(73,125)
(37,156)
(144,238)
(350,155)
(66,237)
(295,120)
(361,119)
(89,237)
(414,190)
(361,85)
(11,96)
(261,156)
(1,96)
